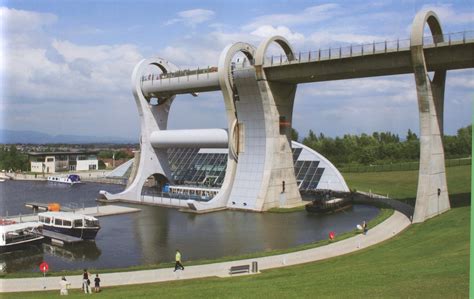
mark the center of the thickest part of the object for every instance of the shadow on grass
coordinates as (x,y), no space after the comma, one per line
(456,200)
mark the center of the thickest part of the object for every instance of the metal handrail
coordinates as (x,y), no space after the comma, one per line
(352,50)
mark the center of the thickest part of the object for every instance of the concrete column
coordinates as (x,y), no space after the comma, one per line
(279,187)
(226,82)
(432,194)
(152,118)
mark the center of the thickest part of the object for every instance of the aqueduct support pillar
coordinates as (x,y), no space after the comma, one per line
(432,194)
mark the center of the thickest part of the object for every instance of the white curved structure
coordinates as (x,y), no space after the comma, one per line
(259,106)
(152,161)
(432,194)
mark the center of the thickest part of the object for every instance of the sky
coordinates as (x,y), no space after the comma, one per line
(65,66)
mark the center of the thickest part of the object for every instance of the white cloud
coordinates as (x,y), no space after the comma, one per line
(313,14)
(461,79)
(60,81)
(192,17)
(268,30)
(24,21)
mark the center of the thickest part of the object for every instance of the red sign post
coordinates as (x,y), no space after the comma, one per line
(332,235)
(44,268)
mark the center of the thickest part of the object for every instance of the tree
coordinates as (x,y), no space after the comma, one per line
(411,136)
(294,134)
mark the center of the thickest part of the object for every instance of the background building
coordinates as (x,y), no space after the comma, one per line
(51,162)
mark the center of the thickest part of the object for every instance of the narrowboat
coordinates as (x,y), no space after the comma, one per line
(329,205)
(71,224)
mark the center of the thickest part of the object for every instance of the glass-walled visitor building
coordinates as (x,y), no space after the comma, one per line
(205,168)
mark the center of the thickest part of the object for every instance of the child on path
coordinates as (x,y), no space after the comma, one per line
(97,283)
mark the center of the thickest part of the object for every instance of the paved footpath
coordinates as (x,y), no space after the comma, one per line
(387,229)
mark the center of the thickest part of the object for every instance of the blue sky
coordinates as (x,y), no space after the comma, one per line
(66,65)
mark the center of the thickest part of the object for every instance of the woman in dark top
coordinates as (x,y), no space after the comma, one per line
(86,282)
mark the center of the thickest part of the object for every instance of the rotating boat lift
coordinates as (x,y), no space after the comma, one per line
(260,172)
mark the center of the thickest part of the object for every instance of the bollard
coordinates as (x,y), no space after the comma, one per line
(254,267)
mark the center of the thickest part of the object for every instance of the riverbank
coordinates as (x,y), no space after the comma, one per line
(387,229)
(95,176)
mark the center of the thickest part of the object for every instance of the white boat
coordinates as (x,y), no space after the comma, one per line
(18,235)
(70,224)
(70,179)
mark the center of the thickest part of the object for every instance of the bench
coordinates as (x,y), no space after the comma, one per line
(239,269)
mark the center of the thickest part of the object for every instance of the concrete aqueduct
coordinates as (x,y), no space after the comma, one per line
(259,96)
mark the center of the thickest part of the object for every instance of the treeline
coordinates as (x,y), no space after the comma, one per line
(383,147)
(12,159)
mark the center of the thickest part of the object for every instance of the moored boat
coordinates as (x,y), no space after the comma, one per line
(329,205)
(71,224)
(16,236)
(70,179)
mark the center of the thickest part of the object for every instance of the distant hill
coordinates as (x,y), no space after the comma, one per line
(33,137)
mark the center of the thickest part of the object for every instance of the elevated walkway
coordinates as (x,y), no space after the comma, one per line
(345,62)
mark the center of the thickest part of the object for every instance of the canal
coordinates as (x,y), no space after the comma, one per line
(152,235)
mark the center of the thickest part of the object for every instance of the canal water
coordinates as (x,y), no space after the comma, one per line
(152,235)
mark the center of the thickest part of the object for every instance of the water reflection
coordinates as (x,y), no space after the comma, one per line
(22,260)
(83,251)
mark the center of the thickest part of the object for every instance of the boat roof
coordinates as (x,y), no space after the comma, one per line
(17,226)
(66,215)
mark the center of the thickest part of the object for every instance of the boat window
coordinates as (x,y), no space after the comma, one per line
(66,223)
(43,219)
(58,222)
(78,223)
(92,223)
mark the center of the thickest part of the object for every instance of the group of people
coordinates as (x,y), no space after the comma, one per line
(86,284)
(86,278)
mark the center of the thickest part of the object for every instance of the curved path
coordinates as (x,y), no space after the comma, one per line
(384,231)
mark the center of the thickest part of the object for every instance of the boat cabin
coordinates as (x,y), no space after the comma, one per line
(15,233)
(68,220)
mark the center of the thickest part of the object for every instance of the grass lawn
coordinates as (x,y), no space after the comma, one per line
(402,184)
(428,260)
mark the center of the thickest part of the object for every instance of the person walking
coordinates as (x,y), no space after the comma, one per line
(64,286)
(364,227)
(97,283)
(86,282)
(178,264)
